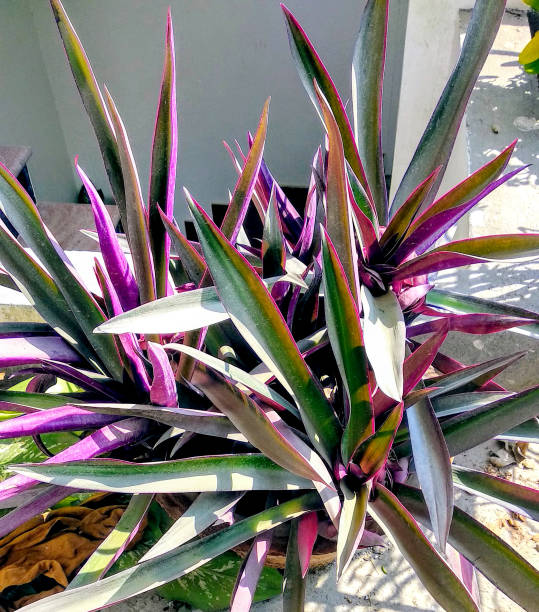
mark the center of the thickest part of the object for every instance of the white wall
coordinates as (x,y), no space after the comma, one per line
(430,53)
(230,55)
(28,113)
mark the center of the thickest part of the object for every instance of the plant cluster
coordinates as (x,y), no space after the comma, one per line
(303,352)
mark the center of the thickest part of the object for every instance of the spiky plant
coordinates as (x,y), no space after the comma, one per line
(289,352)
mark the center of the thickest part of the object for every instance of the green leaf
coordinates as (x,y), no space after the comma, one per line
(182,312)
(372,454)
(186,419)
(41,401)
(511,495)
(263,428)
(476,374)
(404,216)
(273,243)
(24,449)
(437,141)
(525,432)
(361,200)
(93,103)
(137,223)
(429,566)
(294,582)
(81,306)
(467,304)
(384,333)
(433,467)
(193,263)
(236,374)
(235,213)
(346,339)
(449,405)
(209,587)
(503,247)
(156,572)
(163,166)
(111,547)
(261,324)
(367,83)
(338,220)
(351,524)
(472,428)
(495,559)
(8,328)
(195,475)
(468,188)
(311,69)
(201,514)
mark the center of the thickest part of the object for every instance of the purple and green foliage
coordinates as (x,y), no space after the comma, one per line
(275,373)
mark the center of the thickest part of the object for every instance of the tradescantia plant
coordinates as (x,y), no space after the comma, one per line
(291,354)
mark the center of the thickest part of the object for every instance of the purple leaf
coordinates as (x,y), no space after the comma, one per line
(102,441)
(163,389)
(132,359)
(434,227)
(39,503)
(465,571)
(307,534)
(405,215)
(249,574)
(415,366)
(304,246)
(467,323)
(291,219)
(370,538)
(410,296)
(469,187)
(63,418)
(502,247)
(433,262)
(21,351)
(113,256)
(69,374)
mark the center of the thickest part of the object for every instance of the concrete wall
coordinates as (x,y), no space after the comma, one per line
(28,114)
(433,41)
(231,55)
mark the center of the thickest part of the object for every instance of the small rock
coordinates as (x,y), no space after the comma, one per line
(526,124)
(501,458)
(495,128)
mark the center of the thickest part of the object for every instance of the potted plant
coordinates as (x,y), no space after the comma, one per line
(272,382)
